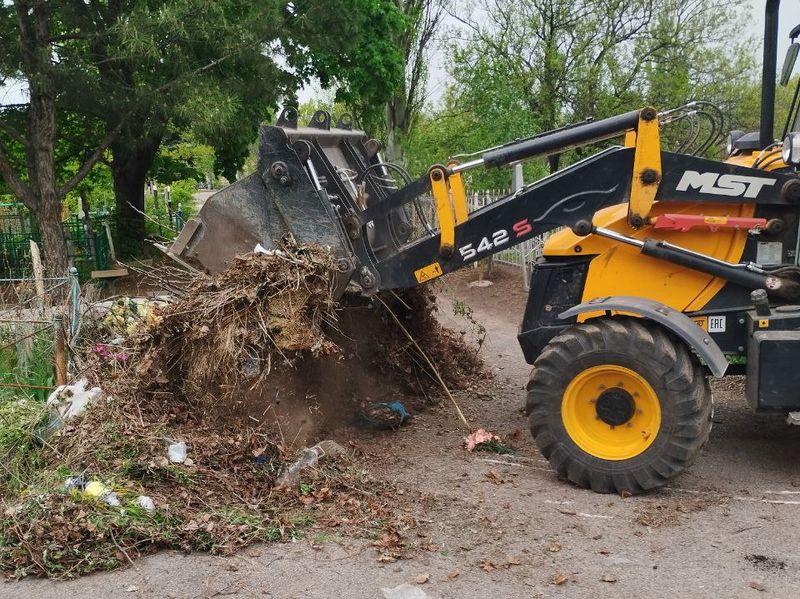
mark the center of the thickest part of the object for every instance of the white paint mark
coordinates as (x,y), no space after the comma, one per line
(505,463)
(772,501)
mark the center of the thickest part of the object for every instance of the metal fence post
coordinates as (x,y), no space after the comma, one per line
(74,303)
(518,182)
(61,352)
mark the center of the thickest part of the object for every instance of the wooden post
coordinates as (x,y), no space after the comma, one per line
(61,353)
(111,251)
(38,275)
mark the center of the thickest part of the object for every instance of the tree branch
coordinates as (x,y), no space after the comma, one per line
(22,191)
(91,161)
(14,135)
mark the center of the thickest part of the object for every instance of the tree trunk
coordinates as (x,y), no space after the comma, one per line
(48,219)
(43,200)
(396,125)
(132,160)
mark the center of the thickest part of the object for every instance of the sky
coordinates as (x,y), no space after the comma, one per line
(14,92)
(789,18)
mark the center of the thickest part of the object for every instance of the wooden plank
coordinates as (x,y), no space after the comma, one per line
(112,273)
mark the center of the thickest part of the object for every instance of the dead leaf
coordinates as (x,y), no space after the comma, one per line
(487,565)
(554,548)
(453,575)
(558,579)
(422,578)
(131,588)
(608,578)
(493,477)
(758,586)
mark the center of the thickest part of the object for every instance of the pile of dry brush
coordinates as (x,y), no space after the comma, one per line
(244,367)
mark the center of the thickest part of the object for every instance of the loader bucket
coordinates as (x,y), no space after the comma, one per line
(284,196)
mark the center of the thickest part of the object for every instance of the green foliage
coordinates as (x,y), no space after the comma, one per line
(130,74)
(21,418)
(183,195)
(161,221)
(182,158)
(525,66)
(35,368)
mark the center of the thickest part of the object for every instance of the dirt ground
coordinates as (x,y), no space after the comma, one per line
(505,526)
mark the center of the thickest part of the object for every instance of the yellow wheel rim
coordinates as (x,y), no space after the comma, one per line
(611,412)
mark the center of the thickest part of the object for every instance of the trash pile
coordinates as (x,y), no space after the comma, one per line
(206,406)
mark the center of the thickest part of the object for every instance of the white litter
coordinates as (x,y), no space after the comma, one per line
(405,591)
(176,453)
(146,503)
(72,400)
(260,249)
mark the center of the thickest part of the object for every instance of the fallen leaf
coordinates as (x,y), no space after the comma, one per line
(554,548)
(453,575)
(487,565)
(494,477)
(385,558)
(131,588)
(558,579)
(758,586)
(624,493)
(422,578)
(608,578)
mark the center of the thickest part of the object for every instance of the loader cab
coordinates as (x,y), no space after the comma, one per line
(791,130)
(740,143)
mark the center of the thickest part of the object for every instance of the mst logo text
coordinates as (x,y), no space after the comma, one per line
(724,185)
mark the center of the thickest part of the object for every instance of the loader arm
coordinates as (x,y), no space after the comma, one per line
(328,185)
(639,174)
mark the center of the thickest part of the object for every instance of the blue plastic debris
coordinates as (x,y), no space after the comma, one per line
(382,415)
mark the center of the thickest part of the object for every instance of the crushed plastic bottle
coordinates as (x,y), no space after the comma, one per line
(308,459)
(75,483)
(146,503)
(97,490)
(176,452)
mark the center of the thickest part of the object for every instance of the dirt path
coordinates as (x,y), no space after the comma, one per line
(506,526)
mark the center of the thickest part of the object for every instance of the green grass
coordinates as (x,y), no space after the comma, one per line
(29,362)
(21,420)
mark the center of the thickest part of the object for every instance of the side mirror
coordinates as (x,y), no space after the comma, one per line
(788,62)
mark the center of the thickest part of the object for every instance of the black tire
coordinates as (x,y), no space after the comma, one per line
(675,375)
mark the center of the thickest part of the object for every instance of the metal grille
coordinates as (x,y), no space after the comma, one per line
(87,242)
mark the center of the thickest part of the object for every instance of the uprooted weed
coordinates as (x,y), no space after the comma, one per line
(209,373)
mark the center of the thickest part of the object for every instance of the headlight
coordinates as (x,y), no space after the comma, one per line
(732,137)
(791,149)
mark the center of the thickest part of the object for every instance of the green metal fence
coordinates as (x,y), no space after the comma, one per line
(87,242)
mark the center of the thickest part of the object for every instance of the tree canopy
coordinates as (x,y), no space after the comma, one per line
(126,73)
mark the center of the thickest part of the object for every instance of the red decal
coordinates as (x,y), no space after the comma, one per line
(522,227)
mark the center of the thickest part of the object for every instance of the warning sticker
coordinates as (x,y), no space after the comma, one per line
(426,273)
(702,322)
